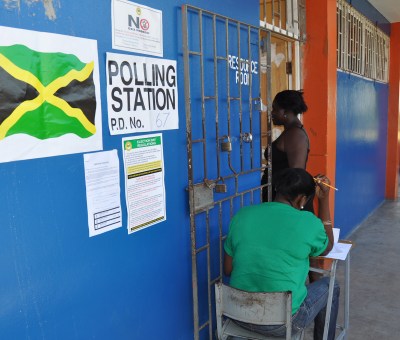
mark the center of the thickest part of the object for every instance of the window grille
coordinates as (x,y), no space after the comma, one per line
(362,48)
(286,17)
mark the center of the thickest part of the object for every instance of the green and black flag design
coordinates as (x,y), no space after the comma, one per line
(45,95)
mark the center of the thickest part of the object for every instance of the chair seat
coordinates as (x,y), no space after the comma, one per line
(230,328)
(260,308)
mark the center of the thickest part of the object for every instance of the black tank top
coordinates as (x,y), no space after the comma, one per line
(279,160)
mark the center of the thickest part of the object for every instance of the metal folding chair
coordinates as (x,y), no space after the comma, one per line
(255,308)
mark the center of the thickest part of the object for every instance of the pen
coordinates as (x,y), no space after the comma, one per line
(330,186)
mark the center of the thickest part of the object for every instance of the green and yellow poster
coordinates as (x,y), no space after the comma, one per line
(49,95)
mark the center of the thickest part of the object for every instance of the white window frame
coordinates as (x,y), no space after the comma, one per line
(362,48)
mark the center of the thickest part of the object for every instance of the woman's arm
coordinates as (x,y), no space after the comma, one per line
(322,192)
(228,264)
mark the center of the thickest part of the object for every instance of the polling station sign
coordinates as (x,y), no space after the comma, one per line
(142,94)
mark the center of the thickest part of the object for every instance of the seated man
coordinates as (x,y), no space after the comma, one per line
(268,248)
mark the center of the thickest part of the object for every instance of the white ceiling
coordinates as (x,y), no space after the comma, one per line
(390,9)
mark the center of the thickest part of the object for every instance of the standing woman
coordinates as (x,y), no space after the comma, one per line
(291,148)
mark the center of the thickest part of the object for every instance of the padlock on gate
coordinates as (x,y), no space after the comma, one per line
(226,144)
(220,188)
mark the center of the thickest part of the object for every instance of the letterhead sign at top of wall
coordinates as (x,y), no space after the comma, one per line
(49,95)
(136,28)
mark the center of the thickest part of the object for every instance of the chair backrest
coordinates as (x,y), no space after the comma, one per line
(256,308)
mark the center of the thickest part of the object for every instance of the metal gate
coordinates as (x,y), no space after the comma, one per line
(225,63)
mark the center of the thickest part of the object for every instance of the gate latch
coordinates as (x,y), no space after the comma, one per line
(247,137)
(201,196)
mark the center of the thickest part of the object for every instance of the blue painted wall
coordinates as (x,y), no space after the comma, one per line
(56,282)
(362,111)
(361,149)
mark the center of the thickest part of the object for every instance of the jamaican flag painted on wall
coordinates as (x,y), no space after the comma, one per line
(45,95)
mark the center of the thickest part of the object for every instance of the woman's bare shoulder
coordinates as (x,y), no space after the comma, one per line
(296,134)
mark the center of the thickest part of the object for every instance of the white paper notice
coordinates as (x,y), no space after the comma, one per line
(144,181)
(136,28)
(103,191)
(142,94)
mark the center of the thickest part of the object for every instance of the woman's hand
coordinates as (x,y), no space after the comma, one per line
(321,190)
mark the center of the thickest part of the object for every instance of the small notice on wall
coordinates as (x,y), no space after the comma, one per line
(136,28)
(102,191)
(144,181)
(142,94)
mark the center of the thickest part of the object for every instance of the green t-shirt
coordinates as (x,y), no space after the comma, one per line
(270,244)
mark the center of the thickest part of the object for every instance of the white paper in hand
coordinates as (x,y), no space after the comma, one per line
(339,250)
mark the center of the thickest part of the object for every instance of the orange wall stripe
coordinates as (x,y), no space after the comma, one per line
(320,87)
(393,146)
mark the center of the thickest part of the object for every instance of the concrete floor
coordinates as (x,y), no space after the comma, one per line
(375,277)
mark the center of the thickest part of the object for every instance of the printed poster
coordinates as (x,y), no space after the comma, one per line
(144,181)
(49,95)
(102,191)
(142,94)
(136,28)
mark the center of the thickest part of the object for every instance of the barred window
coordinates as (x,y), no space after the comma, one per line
(285,17)
(362,48)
